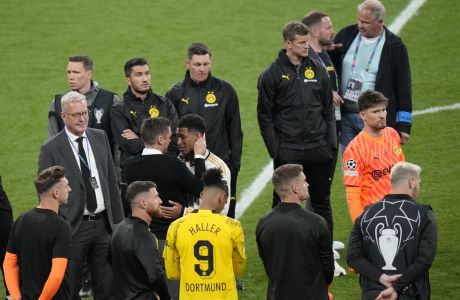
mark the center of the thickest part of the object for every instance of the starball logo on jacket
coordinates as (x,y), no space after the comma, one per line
(390,226)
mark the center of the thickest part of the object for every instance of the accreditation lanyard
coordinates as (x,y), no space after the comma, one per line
(353,62)
(88,165)
(335,72)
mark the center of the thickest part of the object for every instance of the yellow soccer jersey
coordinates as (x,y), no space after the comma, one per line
(205,250)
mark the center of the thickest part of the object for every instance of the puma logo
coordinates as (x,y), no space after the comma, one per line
(184,100)
(285,76)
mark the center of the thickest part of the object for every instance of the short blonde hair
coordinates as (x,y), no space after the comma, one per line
(404,170)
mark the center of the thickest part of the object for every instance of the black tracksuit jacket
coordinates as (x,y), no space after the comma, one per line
(216,101)
(294,108)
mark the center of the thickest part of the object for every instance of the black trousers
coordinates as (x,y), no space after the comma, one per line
(317,166)
(231,208)
(92,240)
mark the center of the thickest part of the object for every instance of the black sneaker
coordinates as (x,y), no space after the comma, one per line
(239,285)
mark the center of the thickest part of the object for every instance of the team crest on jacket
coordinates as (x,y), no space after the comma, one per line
(154,112)
(397,149)
(210,97)
(309,73)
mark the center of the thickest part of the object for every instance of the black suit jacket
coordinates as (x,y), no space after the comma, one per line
(58,151)
(174,182)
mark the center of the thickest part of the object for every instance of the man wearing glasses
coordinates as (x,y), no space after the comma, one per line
(94,205)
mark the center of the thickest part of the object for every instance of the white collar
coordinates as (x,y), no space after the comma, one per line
(151,151)
(368,41)
(72,136)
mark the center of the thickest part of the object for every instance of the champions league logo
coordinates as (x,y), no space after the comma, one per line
(98,113)
(390,225)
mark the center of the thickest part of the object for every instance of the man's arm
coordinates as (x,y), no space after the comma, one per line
(265,103)
(148,256)
(52,284)
(238,255)
(131,144)
(326,255)
(170,254)
(187,182)
(234,132)
(352,179)
(115,200)
(173,148)
(260,247)
(328,110)
(356,257)
(426,253)
(11,269)
(403,91)
(45,159)
(61,232)
(53,127)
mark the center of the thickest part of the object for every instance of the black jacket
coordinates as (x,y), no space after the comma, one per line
(130,114)
(137,265)
(393,76)
(173,179)
(296,249)
(394,236)
(294,107)
(217,102)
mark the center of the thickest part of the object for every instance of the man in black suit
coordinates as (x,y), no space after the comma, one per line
(174,180)
(94,205)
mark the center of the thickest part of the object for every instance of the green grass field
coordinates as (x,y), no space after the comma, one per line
(36,38)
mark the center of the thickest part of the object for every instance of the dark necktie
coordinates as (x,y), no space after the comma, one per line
(91,203)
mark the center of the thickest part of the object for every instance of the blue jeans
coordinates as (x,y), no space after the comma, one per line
(352,124)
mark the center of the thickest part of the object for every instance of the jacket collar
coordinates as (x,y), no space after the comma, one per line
(130,96)
(395,197)
(190,82)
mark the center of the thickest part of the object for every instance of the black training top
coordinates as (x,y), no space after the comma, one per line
(137,265)
(295,246)
(37,237)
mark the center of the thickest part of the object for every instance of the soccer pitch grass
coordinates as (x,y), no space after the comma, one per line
(36,38)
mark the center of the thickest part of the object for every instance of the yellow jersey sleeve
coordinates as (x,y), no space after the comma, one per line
(239,254)
(170,253)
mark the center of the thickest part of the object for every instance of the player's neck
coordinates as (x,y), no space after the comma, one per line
(50,204)
(205,205)
(294,200)
(141,96)
(373,132)
(85,89)
(294,58)
(143,215)
(314,44)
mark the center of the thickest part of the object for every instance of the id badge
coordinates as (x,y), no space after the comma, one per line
(354,87)
(93,182)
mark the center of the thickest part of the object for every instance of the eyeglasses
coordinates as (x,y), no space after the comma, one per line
(79,115)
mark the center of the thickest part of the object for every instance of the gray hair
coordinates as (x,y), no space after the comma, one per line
(375,7)
(71,96)
(404,170)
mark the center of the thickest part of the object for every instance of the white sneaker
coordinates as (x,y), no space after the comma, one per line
(338,245)
(338,270)
(336,254)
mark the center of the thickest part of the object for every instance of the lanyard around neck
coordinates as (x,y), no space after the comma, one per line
(353,62)
(88,165)
(333,68)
